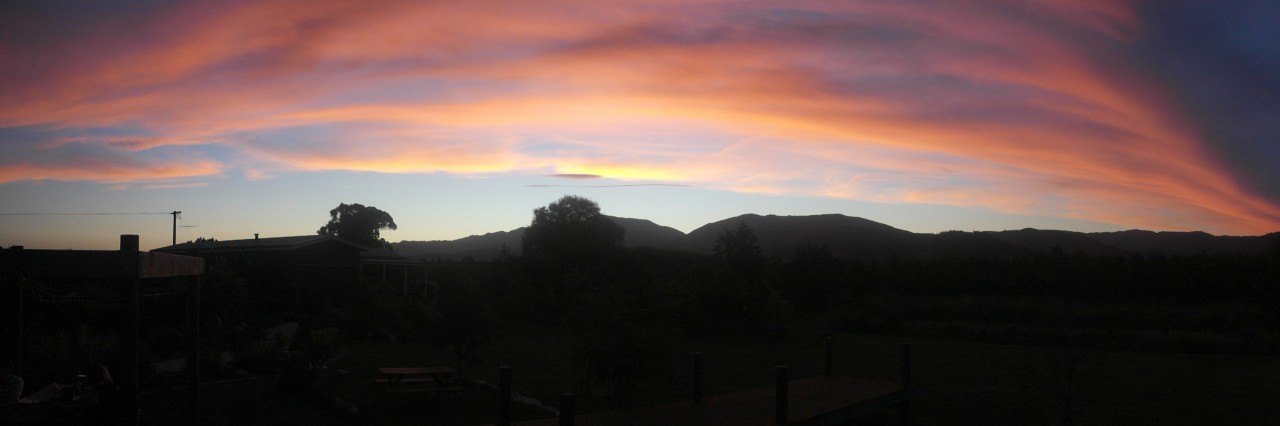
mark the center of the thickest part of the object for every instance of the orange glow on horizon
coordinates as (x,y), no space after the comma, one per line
(964,104)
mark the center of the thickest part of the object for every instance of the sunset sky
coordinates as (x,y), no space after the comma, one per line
(461,117)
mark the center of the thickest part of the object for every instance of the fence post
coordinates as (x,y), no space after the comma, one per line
(697,377)
(19,276)
(131,259)
(193,354)
(827,357)
(906,364)
(566,409)
(781,396)
(905,407)
(504,396)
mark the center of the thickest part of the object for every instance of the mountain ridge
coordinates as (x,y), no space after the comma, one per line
(851,237)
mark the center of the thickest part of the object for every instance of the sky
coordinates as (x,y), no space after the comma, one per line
(460,118)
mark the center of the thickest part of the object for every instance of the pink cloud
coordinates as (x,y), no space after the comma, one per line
(1029,107)
(186,185)
(105,171)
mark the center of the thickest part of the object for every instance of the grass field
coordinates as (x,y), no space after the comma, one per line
(957,382)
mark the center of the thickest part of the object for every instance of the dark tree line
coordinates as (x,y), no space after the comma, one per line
(1185,303)
(625,307)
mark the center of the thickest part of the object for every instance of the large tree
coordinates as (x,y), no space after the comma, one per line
(738,248)
(358,224)
(570,227)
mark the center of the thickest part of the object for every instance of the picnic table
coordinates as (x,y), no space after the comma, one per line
(433,380)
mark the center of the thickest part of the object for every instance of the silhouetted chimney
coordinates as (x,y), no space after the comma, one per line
(128,242)
(255,235)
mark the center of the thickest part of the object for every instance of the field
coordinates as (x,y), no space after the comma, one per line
(957,382)
(1035,340)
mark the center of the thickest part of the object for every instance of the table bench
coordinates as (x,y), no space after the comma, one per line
(430,380)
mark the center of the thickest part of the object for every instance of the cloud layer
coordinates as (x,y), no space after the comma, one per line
(1037,107)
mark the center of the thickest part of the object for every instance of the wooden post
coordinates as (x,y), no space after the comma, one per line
(781,396)
(504,396)
(566,409)
(827,357)
(129,252)
(175,214)
(906,364)
(22,297)
(905,407)
(193,356)
(697,377)
(20,276)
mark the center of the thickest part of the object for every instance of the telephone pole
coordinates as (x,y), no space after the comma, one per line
(176,214)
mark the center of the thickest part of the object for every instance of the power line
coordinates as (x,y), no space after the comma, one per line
(80,214)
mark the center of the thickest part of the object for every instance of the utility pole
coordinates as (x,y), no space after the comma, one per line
(176,214)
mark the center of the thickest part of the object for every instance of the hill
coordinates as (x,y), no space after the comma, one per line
(857,238)
(846,237)
(644,233)
(1185,243)
(1047,241)
(639,233)
(479,247)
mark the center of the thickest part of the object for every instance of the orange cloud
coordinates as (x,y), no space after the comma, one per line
(1028,107)
(107,172)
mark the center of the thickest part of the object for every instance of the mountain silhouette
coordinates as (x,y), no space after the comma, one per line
(478,247)
(857,238)
(644,233)
(1184,243)
(1046,241)
(844,236)
(639,233)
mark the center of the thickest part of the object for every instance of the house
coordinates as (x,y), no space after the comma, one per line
(49,295)
(320,263)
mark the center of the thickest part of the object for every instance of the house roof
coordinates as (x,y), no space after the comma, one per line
(367,254)
(271,243)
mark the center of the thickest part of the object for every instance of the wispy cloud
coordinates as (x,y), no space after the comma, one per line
(575,176)
(627,185)
(1022,106)
(106,171)
(187,185)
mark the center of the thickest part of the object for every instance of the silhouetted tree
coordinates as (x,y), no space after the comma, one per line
(1060,379)
(812,276)
(571,227)
(619,346)
(738,248)
(463,323)
(358,224)
(741,296)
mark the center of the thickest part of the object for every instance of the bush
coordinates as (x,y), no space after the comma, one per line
(618,350)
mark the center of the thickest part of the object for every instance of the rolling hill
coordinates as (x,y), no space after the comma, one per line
(857,238)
